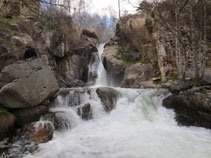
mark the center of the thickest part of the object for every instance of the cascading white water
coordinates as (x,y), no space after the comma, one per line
(139,127)
(93,67)
(102,77)
(96,68)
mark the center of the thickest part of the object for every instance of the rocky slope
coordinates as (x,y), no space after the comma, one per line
(142,57)
(28,86)
(142,54)
(68,48)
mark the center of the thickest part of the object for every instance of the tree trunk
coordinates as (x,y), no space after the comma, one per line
(119,6)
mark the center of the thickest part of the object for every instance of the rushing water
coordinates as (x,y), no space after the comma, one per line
(97,67)
(139,127)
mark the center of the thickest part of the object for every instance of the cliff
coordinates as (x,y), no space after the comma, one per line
(142,55)
(146,53)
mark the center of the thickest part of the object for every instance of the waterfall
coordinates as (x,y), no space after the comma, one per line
(97,73)
(139,126)
(93,68)
(102,76)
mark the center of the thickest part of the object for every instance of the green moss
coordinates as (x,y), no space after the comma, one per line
(15,32)
(121,51)
(175,77)
(6,28)
(14,20)
(5,25)
(3,112)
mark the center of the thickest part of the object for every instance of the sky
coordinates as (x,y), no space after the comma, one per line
(108,7)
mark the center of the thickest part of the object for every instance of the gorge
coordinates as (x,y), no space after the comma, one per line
(139,126)
(144,93)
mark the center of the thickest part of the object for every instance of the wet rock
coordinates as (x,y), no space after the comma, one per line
(85,112)
(192,107)
(137,73)
(30,83)
(20,146)
(40,133)
(73,96)
(28,115)
(7,123)
(108,97)
(75,66)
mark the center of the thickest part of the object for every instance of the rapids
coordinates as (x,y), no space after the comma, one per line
(139,127)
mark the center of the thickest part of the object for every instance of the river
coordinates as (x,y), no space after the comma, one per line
(139,127)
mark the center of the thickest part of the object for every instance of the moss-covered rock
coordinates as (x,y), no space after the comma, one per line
(7,122)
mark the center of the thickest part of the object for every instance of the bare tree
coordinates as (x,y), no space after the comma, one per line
(179,18)
(119,6)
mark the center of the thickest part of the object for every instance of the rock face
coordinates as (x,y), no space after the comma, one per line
(137,31)
(75,66)
(7,123)
(26,85)
(40,133)
(108,97)
(135,74)
(29,83)
(69,49)
(90,32)
(139,39)
(115,67)
(192,106)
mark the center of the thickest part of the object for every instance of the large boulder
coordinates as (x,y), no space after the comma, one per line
(135,74)
(40,132)
(109,97)
(114,66)
(27,84)
(28,115)
(137,31)
(192,107)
